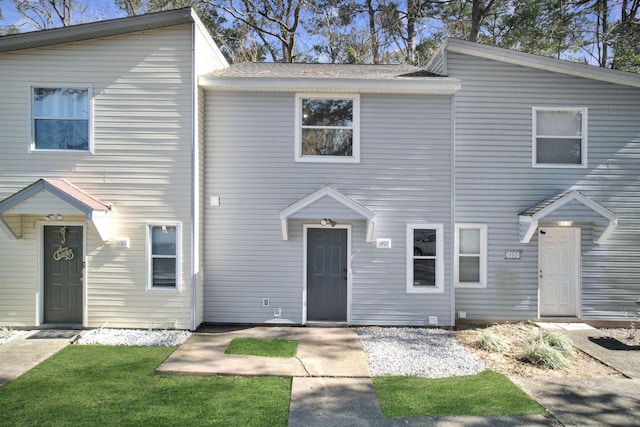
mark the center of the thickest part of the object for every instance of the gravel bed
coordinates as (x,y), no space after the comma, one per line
(133,337)
(9,334)
(419,352)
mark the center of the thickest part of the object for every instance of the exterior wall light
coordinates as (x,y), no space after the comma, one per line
(327,221)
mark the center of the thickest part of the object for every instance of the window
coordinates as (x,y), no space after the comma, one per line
(61,118)
(164,255)
(470,270)
(560,137)
(327,128)
(424,258)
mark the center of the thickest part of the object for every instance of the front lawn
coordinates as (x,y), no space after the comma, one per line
(101,385)
(487,393)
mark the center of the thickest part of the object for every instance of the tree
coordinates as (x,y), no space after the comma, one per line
(334,33)
(275,22)
(11,29)
(45,14)
(479,10)
(626,38)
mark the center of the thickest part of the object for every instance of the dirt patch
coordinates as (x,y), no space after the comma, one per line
(507,361)
(628,336)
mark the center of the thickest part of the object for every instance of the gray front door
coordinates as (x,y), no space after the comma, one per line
(63,254)
(327,274)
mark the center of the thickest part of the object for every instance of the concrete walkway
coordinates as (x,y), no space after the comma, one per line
(331,381)
(22,353)
(591,401)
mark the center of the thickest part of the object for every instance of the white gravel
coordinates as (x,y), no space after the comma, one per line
(419,352)
(7,335)
(133,337)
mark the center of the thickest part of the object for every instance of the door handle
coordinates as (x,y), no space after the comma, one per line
(345,273)
(541,273)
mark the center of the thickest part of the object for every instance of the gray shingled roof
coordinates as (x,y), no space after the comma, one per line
(545,203)
(320,71)
(81,32)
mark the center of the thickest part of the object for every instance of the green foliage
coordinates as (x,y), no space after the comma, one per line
(487,393)
(6,331)
(492,342)
(263,347)
(101,385)
(549,349)
(558,341)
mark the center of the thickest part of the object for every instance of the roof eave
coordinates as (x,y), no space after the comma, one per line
(94,30)
(427,85)
(543,63)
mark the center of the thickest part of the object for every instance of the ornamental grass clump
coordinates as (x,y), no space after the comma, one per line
(549,349)
(492,342)
(558,341)
(540,353)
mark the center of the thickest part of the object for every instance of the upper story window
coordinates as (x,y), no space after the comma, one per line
(425,258)
(164,255)
(327,128)
(470,269)
(61,118)
(560,137)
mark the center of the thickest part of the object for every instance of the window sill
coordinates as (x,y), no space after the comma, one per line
(558,166)
(436,290)
(470,286)
(327,159)
(163,289)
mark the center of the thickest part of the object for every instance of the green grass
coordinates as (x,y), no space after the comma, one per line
(263,347)
(487,393)
(116,386)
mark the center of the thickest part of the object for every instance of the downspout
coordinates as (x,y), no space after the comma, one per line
(194,191)
(453,205)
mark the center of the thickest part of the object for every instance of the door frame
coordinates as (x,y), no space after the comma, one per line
(578,263)
(305,227)
(40,267)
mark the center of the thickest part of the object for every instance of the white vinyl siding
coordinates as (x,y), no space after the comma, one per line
(424,258)
(142,164)
(406,153)
(495,181)
(327,128)
(559,137)
(470,248)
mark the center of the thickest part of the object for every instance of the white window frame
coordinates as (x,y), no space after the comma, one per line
(583,138)
(32,116)
(439,287)
(355,148)
(483,256)
(178,256)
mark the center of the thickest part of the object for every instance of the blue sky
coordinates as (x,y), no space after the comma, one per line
(102,9)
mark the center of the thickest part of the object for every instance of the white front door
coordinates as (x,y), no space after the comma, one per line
(559,271)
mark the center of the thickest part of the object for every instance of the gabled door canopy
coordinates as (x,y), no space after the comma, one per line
(360,210)
(530,217)
(73,201)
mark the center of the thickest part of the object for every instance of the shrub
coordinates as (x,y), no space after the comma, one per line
(492,342)
(540,353)
(558,341)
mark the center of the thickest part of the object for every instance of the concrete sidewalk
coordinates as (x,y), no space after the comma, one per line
(590,401)
(21,354)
